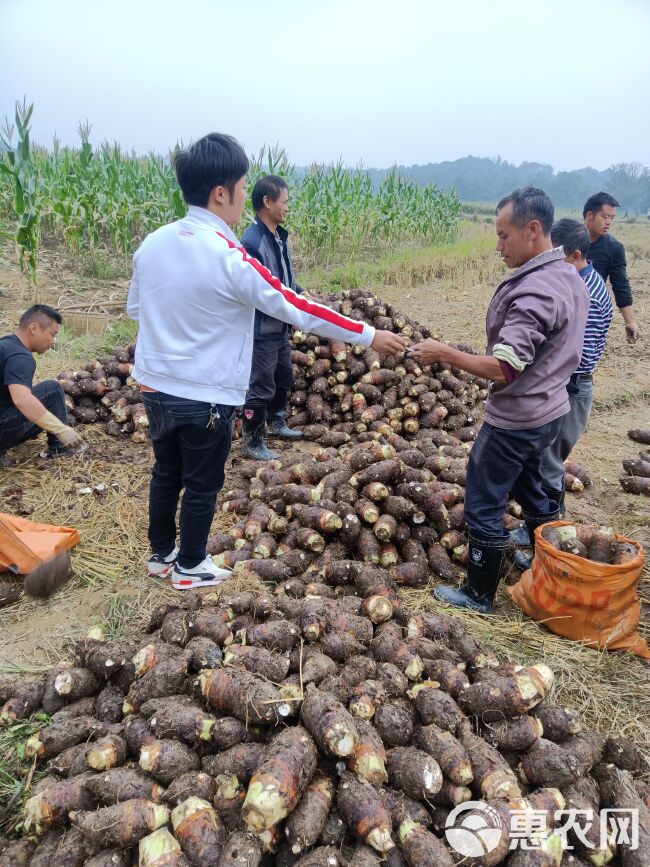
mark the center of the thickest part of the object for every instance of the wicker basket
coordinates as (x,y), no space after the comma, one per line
(89,318)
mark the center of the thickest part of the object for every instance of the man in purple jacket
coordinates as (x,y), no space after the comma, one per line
(535,327)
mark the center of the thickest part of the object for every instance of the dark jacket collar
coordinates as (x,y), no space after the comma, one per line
(282,232)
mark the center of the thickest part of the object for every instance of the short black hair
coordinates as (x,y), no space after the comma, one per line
(269,185)
(572,235)
(529,203)
(212,161)
(39,312)
(595,203)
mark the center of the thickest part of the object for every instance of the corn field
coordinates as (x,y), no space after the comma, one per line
(89,198)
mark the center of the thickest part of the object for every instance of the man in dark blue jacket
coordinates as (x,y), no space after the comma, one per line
(271,373)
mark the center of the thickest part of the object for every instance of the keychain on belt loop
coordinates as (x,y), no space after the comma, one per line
(214,415)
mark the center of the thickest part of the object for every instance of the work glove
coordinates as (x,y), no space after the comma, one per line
(67,436)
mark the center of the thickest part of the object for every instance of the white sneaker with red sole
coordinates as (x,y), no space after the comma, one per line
(160,567)
(203,575)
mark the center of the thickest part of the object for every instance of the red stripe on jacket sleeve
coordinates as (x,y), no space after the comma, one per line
(291,297)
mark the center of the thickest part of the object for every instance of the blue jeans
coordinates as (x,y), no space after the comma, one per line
(191,442)
(504,462)
(574,424)
(16,429)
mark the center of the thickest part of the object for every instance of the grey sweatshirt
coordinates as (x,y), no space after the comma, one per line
(537,318)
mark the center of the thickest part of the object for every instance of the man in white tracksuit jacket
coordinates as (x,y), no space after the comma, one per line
(194,294)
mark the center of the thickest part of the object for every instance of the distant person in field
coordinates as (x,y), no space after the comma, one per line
(194,293)
(572,236)
(26,409)
(271,373)
(535,328)
(607,255)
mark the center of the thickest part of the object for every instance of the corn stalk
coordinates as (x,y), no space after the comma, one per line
(17,166)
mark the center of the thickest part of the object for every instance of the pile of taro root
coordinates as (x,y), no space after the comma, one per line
(637,480)
(298,731)
(105,391)
(598,544)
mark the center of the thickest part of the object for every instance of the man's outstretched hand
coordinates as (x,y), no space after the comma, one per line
(428,351)
(387,343)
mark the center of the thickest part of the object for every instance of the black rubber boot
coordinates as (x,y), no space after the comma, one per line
(483,575)
(254,422)
(558,497)
(276,418)
(522,560)
(521,537)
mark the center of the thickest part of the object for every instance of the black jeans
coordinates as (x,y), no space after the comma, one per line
(16,429)
(271,369)
(502,462)
(191,442)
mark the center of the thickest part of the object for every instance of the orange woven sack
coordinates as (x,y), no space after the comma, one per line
(594,603)
(24,545)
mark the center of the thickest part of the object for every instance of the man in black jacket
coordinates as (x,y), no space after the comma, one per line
(607,255)
(271,373)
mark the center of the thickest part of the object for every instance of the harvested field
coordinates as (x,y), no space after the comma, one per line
(610,691)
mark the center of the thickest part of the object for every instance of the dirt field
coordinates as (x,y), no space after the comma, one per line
(109,586)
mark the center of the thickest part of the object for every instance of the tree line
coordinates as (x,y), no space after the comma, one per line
(480,179)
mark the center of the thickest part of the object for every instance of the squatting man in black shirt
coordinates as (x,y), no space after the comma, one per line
(27,409)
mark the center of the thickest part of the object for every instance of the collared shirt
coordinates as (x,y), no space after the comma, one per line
(598,319)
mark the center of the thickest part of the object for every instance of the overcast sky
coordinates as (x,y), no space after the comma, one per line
(564,82)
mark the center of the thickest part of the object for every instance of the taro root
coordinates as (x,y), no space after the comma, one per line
(305,824)
(559,723)
(368,761)
(121,784)
(167,759)
(187,784)
(420,847)
(437,707)
(413,771)
(25,699)
(447,750)
(491,772)
(241,850)
(199,831)
(52,804)
(239,761)
(166,678)
(160,849)
(364,812)
(507,696)
(242,694)
(53,739)
(394,721)
(279,782)
(121,825)
(330,724)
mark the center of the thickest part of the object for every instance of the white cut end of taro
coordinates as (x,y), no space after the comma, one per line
(263,807)
(157,848)
(102,760)
(528,689)
(188,808)
(148,756)
(63,683)
(547,675)
(380,839)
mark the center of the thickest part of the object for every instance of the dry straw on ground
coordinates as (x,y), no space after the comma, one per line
(611,691)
